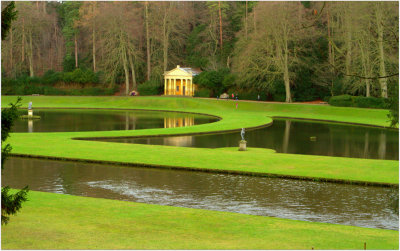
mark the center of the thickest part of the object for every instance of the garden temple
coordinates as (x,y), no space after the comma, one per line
(179,81)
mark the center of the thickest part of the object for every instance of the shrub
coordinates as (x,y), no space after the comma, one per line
(29,89)
(151,87)
(49,90)
(8,86)
(25,85)
(278,91)
(202,92)
(213,80)
(68,63)
(51,77)
(342,100)
(81,76)
(34,80)
(229,81)
(358,101)
(369,102)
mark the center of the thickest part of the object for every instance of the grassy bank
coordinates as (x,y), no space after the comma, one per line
(248,114)
(54,221)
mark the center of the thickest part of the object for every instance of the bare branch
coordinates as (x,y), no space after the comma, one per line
(363,77)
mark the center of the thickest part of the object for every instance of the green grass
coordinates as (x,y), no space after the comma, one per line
(54,221)
(249,114)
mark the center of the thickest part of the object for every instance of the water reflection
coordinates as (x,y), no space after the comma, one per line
(299,137)
(286,136)
(30,125)
(300,200)
(68,120)
(173,122)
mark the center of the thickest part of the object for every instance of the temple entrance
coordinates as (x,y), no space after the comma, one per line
(178,81)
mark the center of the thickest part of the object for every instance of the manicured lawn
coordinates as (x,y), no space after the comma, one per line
(249,114)
(54,221)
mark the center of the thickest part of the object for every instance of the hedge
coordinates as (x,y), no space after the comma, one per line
(151,87)
(202,92)
(358,101)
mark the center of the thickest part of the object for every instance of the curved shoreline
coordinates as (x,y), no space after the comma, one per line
(206,170)
(253,115)
(122,109)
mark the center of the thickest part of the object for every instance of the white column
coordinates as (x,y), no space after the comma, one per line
(174,92)
(189,88)
(181,88)
(165,86)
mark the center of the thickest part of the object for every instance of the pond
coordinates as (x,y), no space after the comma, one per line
(364,206)
(298,137)
(73,120)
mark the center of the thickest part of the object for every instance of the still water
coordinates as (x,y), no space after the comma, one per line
(73,120)
(295,136)
(363,206)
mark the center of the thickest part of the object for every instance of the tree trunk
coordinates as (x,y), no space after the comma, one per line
(76,52)
(330,48)
(348,45)
(165,40)
(286,67)
(126,70)
(23,40)
(147,41)
(368,70)
(220,24)
(364,49)
(30,55)
(39,62)
(245,26)
(287,80)
(11,48)
(51,57)
(134,85)
(382,70)
(94,48)
(254,20)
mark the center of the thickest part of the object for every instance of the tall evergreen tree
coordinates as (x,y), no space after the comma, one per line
(8,14)
(10,203)
(69,14)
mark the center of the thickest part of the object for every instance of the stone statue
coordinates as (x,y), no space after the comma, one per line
(30,106)
(242,133)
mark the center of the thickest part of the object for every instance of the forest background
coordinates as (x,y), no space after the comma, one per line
(282,51)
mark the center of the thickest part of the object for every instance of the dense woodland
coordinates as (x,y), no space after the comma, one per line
(283,51)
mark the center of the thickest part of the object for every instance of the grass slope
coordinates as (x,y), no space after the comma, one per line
(249,114)
(54,221)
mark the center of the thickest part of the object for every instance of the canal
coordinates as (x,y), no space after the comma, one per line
(364,206)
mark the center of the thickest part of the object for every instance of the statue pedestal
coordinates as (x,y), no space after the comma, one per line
(242,145)
(30,113)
